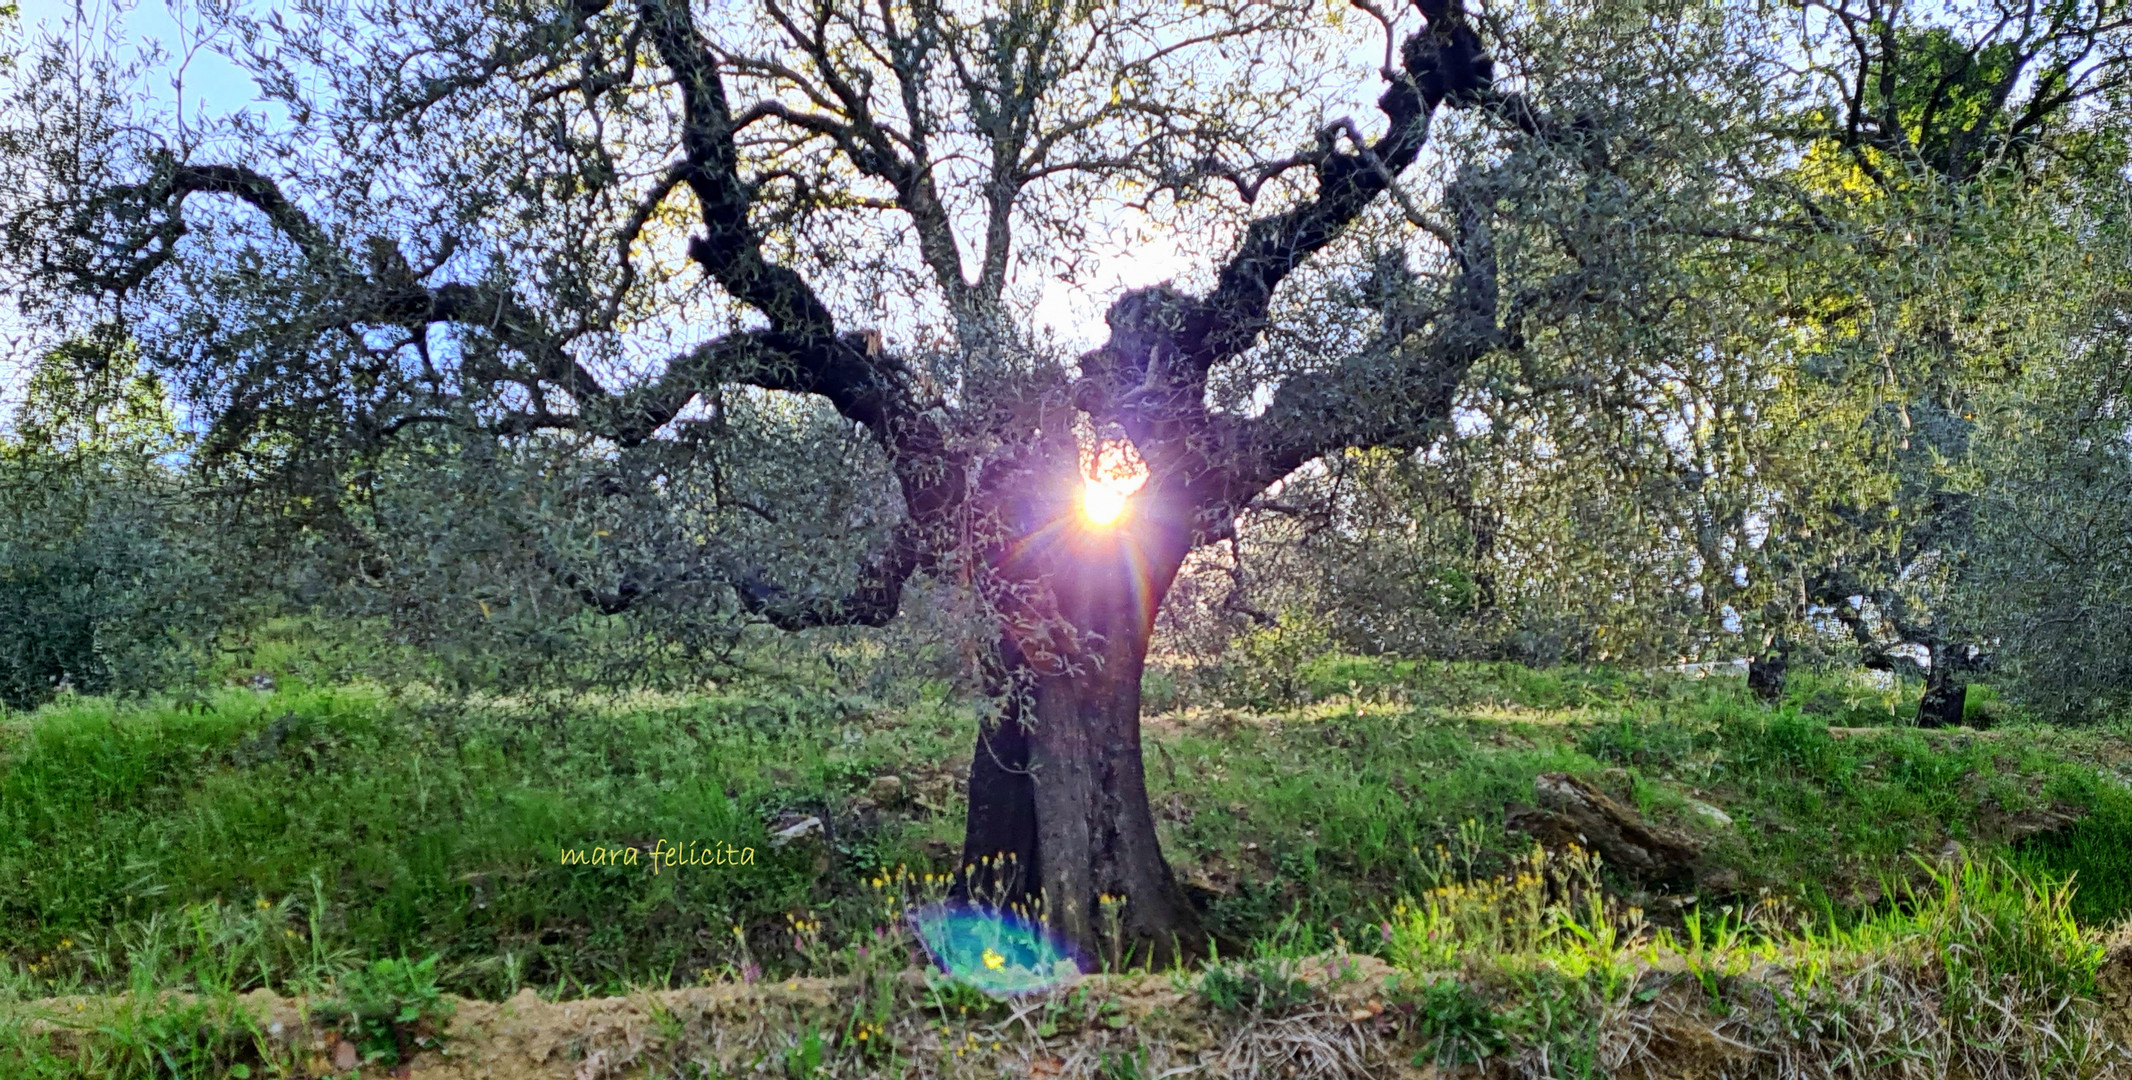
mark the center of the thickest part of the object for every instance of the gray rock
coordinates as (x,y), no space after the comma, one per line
(803,827)
(1710,813)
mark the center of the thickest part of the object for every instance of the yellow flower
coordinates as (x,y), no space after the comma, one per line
(994,960)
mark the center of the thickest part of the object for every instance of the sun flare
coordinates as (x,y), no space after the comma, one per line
(1109,478)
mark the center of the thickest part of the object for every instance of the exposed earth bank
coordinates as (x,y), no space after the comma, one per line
(1360,1018)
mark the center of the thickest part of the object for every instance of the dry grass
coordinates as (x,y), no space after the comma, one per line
(1731,1010)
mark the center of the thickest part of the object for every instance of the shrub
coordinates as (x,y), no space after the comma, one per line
(388,1008)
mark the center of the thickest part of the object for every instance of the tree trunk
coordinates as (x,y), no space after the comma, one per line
(1059,815)
(1765,673)
(1946,691)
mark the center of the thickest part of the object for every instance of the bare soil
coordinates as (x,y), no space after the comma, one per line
(1348,1030)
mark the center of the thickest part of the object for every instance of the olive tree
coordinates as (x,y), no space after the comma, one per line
(1940,147)
(626,228)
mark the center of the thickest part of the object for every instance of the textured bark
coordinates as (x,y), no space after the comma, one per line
(1059,815)
(1946,684)
(1943,700)
(999,839)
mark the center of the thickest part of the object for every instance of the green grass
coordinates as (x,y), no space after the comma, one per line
(1329,809)
(1966,974)
(436,828)
(263,838)
(150,1040)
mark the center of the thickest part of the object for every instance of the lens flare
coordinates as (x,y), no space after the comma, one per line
(1102,504)
(1110,476)
(997,952)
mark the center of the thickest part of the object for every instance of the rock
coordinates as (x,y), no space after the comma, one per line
(1718,879)
(1204,888)
(1710,813)
(2012,827)
(804,827)
(1553,831)
(1572,811)
(886,790)
(344,1055)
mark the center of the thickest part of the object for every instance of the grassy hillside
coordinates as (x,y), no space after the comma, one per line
(1870,897)
(339,825)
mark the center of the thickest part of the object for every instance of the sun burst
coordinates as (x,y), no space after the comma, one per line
(1110,476)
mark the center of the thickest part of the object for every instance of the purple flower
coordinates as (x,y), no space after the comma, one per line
(750,971)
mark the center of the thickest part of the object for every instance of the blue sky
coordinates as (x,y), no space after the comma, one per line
(210,81)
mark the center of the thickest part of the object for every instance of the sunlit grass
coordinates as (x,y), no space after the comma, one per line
(431,821)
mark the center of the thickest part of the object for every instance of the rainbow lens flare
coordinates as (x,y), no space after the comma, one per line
(997,952)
